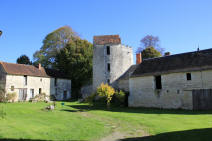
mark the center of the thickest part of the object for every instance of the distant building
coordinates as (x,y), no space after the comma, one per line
(28,81)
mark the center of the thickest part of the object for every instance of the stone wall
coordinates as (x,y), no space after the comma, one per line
(176,90)
(120,60)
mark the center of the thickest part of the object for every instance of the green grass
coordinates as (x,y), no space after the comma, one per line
(76,121)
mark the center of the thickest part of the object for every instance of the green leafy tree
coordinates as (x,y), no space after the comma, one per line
(23,59)
(150,52)
(75,59)
(52,44)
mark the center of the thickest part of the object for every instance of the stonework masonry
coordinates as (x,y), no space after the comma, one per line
(176,90)
(107,68)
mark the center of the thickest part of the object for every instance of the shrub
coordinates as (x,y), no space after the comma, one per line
(11,96)
(41,97)
(106,91)
(119,97)
(91,98)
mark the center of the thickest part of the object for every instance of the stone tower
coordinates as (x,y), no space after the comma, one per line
(111,59)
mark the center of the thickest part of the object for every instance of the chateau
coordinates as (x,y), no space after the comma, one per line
(173,81)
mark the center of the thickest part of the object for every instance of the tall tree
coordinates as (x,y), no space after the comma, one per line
(23,59)
(150,47)
(76,62)
(150,52)
(52,43)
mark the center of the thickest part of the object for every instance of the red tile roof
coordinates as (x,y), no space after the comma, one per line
(30,70)
(21,69)
(106,39)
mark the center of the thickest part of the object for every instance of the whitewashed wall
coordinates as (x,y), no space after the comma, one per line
(176,90)
(46,84)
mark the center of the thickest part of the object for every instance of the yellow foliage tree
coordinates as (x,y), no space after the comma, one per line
(107,91)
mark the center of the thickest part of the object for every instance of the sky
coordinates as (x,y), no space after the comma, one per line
(181,25)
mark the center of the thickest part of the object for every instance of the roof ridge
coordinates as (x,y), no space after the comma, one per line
(178,54)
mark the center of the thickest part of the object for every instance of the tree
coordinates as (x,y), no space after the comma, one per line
(23,59)
(150,47)
(0,32)
(75,60)
(52,44)
(150,52)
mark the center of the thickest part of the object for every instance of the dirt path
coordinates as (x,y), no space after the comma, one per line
(116,133)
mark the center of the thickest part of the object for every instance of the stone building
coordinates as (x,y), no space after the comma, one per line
(111,60)
(174,81)
(27,81)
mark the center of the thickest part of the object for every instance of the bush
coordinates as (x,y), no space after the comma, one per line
(11,96)
(41,97)
(119,98)
(91,98)
(106,91)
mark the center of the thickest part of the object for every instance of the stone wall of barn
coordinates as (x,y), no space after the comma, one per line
(176,90)
(120,59)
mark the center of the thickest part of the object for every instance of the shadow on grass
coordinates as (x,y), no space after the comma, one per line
(138,110)
(187,135)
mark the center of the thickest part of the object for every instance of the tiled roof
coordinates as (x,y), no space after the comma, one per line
(106,39)
(190,61)
(127,74)
(30,70)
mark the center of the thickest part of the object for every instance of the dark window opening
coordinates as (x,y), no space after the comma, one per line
(55,82)
(40,90)
(188,75)
(108,50)
(108,81)
(64,95)
(25,80)
(158,82)
(108,67)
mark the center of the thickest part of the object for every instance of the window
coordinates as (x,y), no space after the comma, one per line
(188,75)
(31,93)
(55,82)
(108,50)
(40,90)
(12,88)
(25,80)
(41,80)
(108,81)
(108,67)
(158,83)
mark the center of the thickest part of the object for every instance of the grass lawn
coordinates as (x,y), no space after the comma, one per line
(76,121)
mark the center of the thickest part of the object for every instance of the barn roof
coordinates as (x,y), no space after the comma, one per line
(106,39)
(190,61)
(127,74)
(30,70)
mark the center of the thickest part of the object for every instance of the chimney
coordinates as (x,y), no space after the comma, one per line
(167,54)
(39,66)
(138,58)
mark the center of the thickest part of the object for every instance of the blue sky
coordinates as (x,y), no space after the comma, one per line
(180,24)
